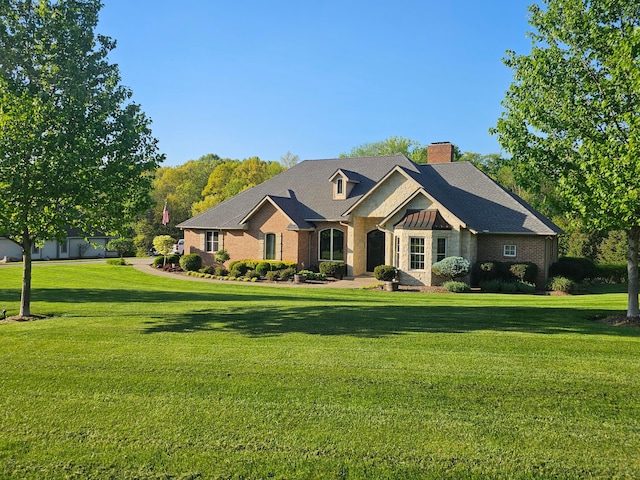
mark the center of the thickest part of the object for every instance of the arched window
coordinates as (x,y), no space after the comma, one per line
(270,246)
(332,245)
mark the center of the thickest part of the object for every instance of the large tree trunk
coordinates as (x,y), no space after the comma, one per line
(632,270)
(25,299)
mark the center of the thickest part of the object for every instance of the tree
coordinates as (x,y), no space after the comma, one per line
(124,246)
(163,244)
(289,160)
(396,145)
(572,115)
(75,152)
(231,177)
(180,187)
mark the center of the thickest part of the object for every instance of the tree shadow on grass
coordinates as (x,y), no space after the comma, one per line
(106,295)
(385,320)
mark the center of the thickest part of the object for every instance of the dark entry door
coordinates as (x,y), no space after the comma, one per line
(375,249)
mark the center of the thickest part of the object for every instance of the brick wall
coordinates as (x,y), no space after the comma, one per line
(542,251)
(246,244)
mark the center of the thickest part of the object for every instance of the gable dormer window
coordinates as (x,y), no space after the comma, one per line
(343,182)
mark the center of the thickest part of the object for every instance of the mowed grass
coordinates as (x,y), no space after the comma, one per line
(137,376)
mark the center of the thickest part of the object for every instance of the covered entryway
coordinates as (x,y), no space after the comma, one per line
(375,249)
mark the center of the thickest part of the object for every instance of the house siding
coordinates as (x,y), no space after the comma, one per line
(538,249)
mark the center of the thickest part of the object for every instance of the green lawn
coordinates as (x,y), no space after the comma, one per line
(143,377)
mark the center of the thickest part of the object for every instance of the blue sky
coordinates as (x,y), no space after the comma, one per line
(317,77)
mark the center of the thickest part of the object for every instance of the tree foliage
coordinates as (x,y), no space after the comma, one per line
(75,152)
(231,177)
(572,113)
(394,145)
(180,187)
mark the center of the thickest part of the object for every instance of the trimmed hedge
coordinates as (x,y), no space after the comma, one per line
(173,258)
(607,273)
(384,273)
(483,272)
(500,286)
(456,287)
(191,262)
(576,268)
(332,269)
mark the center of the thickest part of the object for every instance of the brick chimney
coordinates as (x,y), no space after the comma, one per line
(440,152)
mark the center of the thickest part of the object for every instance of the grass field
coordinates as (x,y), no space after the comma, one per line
(137,376)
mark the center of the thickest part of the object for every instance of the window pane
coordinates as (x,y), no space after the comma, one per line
(416,251)
(441,252)
(270,246)
(211,242)
(325,244)
(338,245)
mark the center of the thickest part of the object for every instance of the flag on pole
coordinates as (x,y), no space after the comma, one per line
(165,214)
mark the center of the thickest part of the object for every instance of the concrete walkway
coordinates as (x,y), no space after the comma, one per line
(144,264)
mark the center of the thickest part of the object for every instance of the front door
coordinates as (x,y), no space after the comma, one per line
(375,249)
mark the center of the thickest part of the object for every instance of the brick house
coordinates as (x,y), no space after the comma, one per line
(371,211)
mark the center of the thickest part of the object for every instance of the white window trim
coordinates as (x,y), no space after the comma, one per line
(509,247)
(215,238)
(424,254)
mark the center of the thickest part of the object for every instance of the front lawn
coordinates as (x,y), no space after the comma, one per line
(138,376)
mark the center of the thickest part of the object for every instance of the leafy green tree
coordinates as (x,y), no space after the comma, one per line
(75,152)
(394,145)
(180,187)
(124,246)
(572,115)
(231,177)
(163,244)
(612,249)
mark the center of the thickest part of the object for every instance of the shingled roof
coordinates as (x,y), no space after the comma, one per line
(305,194)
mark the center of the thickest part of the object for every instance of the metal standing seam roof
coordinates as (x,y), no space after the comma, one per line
(305,194)
(423,220)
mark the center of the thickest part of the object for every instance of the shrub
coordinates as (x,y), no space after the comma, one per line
(251,274)
(524,271)
(116,261)
(562,284)
(233,264)
(332,269)
(525,287)
(384,273)
(263,267)
(240,266)
(277,265)
(209,270)
(451,267)
(456,287)
(574,268)
(250,264)
(312,275)
(287,273)
(491,286)
(272,275)
(191,262)
(124,246)
(611,273)
(221,272)
(235,273)
(221,256)
(159,260)
(508,287)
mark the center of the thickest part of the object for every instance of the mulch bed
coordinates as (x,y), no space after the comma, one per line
(621,321)
(23,318)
